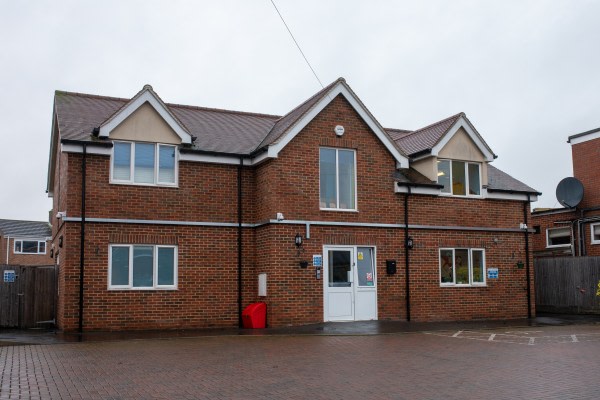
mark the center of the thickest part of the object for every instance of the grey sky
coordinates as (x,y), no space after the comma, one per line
(525,72)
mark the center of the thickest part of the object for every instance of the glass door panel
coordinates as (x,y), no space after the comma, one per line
(340,268)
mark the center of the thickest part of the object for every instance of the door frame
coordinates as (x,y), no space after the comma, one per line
(355,288)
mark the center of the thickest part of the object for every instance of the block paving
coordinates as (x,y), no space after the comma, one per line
(562,363)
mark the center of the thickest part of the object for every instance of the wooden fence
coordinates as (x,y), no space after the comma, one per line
(567,284)
(27,296)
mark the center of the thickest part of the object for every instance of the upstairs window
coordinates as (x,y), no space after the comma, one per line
(30,247)
(144,163)
(459,178)
(337,174)
(558,237)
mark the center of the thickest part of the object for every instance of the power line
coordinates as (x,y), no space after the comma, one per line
(297,45)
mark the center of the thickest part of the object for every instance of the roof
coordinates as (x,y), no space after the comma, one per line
(29,229)
(411,176)
(500,181)
(427,137)
(287,121)
(216,130)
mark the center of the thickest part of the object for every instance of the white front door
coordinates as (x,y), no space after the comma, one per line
(350,291)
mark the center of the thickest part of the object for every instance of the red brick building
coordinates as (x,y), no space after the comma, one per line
(181,211)
(574,230)
(24,242)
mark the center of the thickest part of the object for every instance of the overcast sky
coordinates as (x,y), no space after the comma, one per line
(526,73)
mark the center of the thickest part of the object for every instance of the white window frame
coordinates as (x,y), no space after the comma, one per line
(28,240)
(467,163)
(470,266)
(592,240)
(131,180)
(337,181)
(155,286)
(549,246)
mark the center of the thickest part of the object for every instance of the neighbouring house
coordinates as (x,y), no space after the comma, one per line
(188,214)
(25,242)
(574,231)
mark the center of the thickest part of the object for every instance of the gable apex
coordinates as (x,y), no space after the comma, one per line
(302,115)
(146,95)
(464,123)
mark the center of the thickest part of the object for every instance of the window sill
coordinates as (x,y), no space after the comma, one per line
(339,209)
(452,285)
(560,246)
(162,185)
(113,289)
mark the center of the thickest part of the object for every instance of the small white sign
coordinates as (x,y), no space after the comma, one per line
(317,260)
(492,273)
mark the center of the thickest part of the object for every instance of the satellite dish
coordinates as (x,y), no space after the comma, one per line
(569,192)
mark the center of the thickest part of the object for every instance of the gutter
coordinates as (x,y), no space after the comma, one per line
(85,143)
(511,191)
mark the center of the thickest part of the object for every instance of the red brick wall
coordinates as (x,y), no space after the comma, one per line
(545,221)
(585,157)
(207,291)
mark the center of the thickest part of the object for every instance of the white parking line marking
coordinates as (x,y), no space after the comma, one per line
(531,341)
(574,338)
(457,333)
(492,336)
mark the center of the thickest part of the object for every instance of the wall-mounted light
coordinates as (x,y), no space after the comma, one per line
(51,253)
(409,242)
(60,241)
(298,240)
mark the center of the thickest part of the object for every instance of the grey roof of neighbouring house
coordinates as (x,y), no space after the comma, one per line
(243,133)
(25,229)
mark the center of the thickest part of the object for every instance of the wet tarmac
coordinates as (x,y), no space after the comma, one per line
(15,337)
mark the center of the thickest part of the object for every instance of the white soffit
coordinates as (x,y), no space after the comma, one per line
(147,95)
(340,88)
(462,123)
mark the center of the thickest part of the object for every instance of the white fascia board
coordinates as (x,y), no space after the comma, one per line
(461,123)
(510,196)
(77,148)
(146,96)
(417,190)
(212,158)
(584,138)
(340,88)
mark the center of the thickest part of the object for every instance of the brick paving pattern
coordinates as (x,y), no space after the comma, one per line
(563,363)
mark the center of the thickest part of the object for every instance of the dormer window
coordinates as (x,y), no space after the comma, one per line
(144,163)
(459,178)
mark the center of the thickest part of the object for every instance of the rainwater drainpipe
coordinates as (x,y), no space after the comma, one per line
(406,255)
(526,231)
(82,237)
(7,246)
(239,188)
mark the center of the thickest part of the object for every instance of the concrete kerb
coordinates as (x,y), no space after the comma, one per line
(361,328)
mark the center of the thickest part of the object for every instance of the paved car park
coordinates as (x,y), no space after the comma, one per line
(563,362)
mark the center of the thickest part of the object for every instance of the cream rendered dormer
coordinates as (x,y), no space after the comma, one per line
(145,137)
(456,159)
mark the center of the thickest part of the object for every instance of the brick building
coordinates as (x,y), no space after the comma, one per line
(24,242)
(574,230)
(181,209)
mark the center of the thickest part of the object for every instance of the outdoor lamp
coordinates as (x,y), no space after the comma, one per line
(298,240)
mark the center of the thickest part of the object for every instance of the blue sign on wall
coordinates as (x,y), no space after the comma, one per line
(492,273)
(9,276)
(317,260)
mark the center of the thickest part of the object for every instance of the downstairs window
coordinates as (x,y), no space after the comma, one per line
(142,267)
